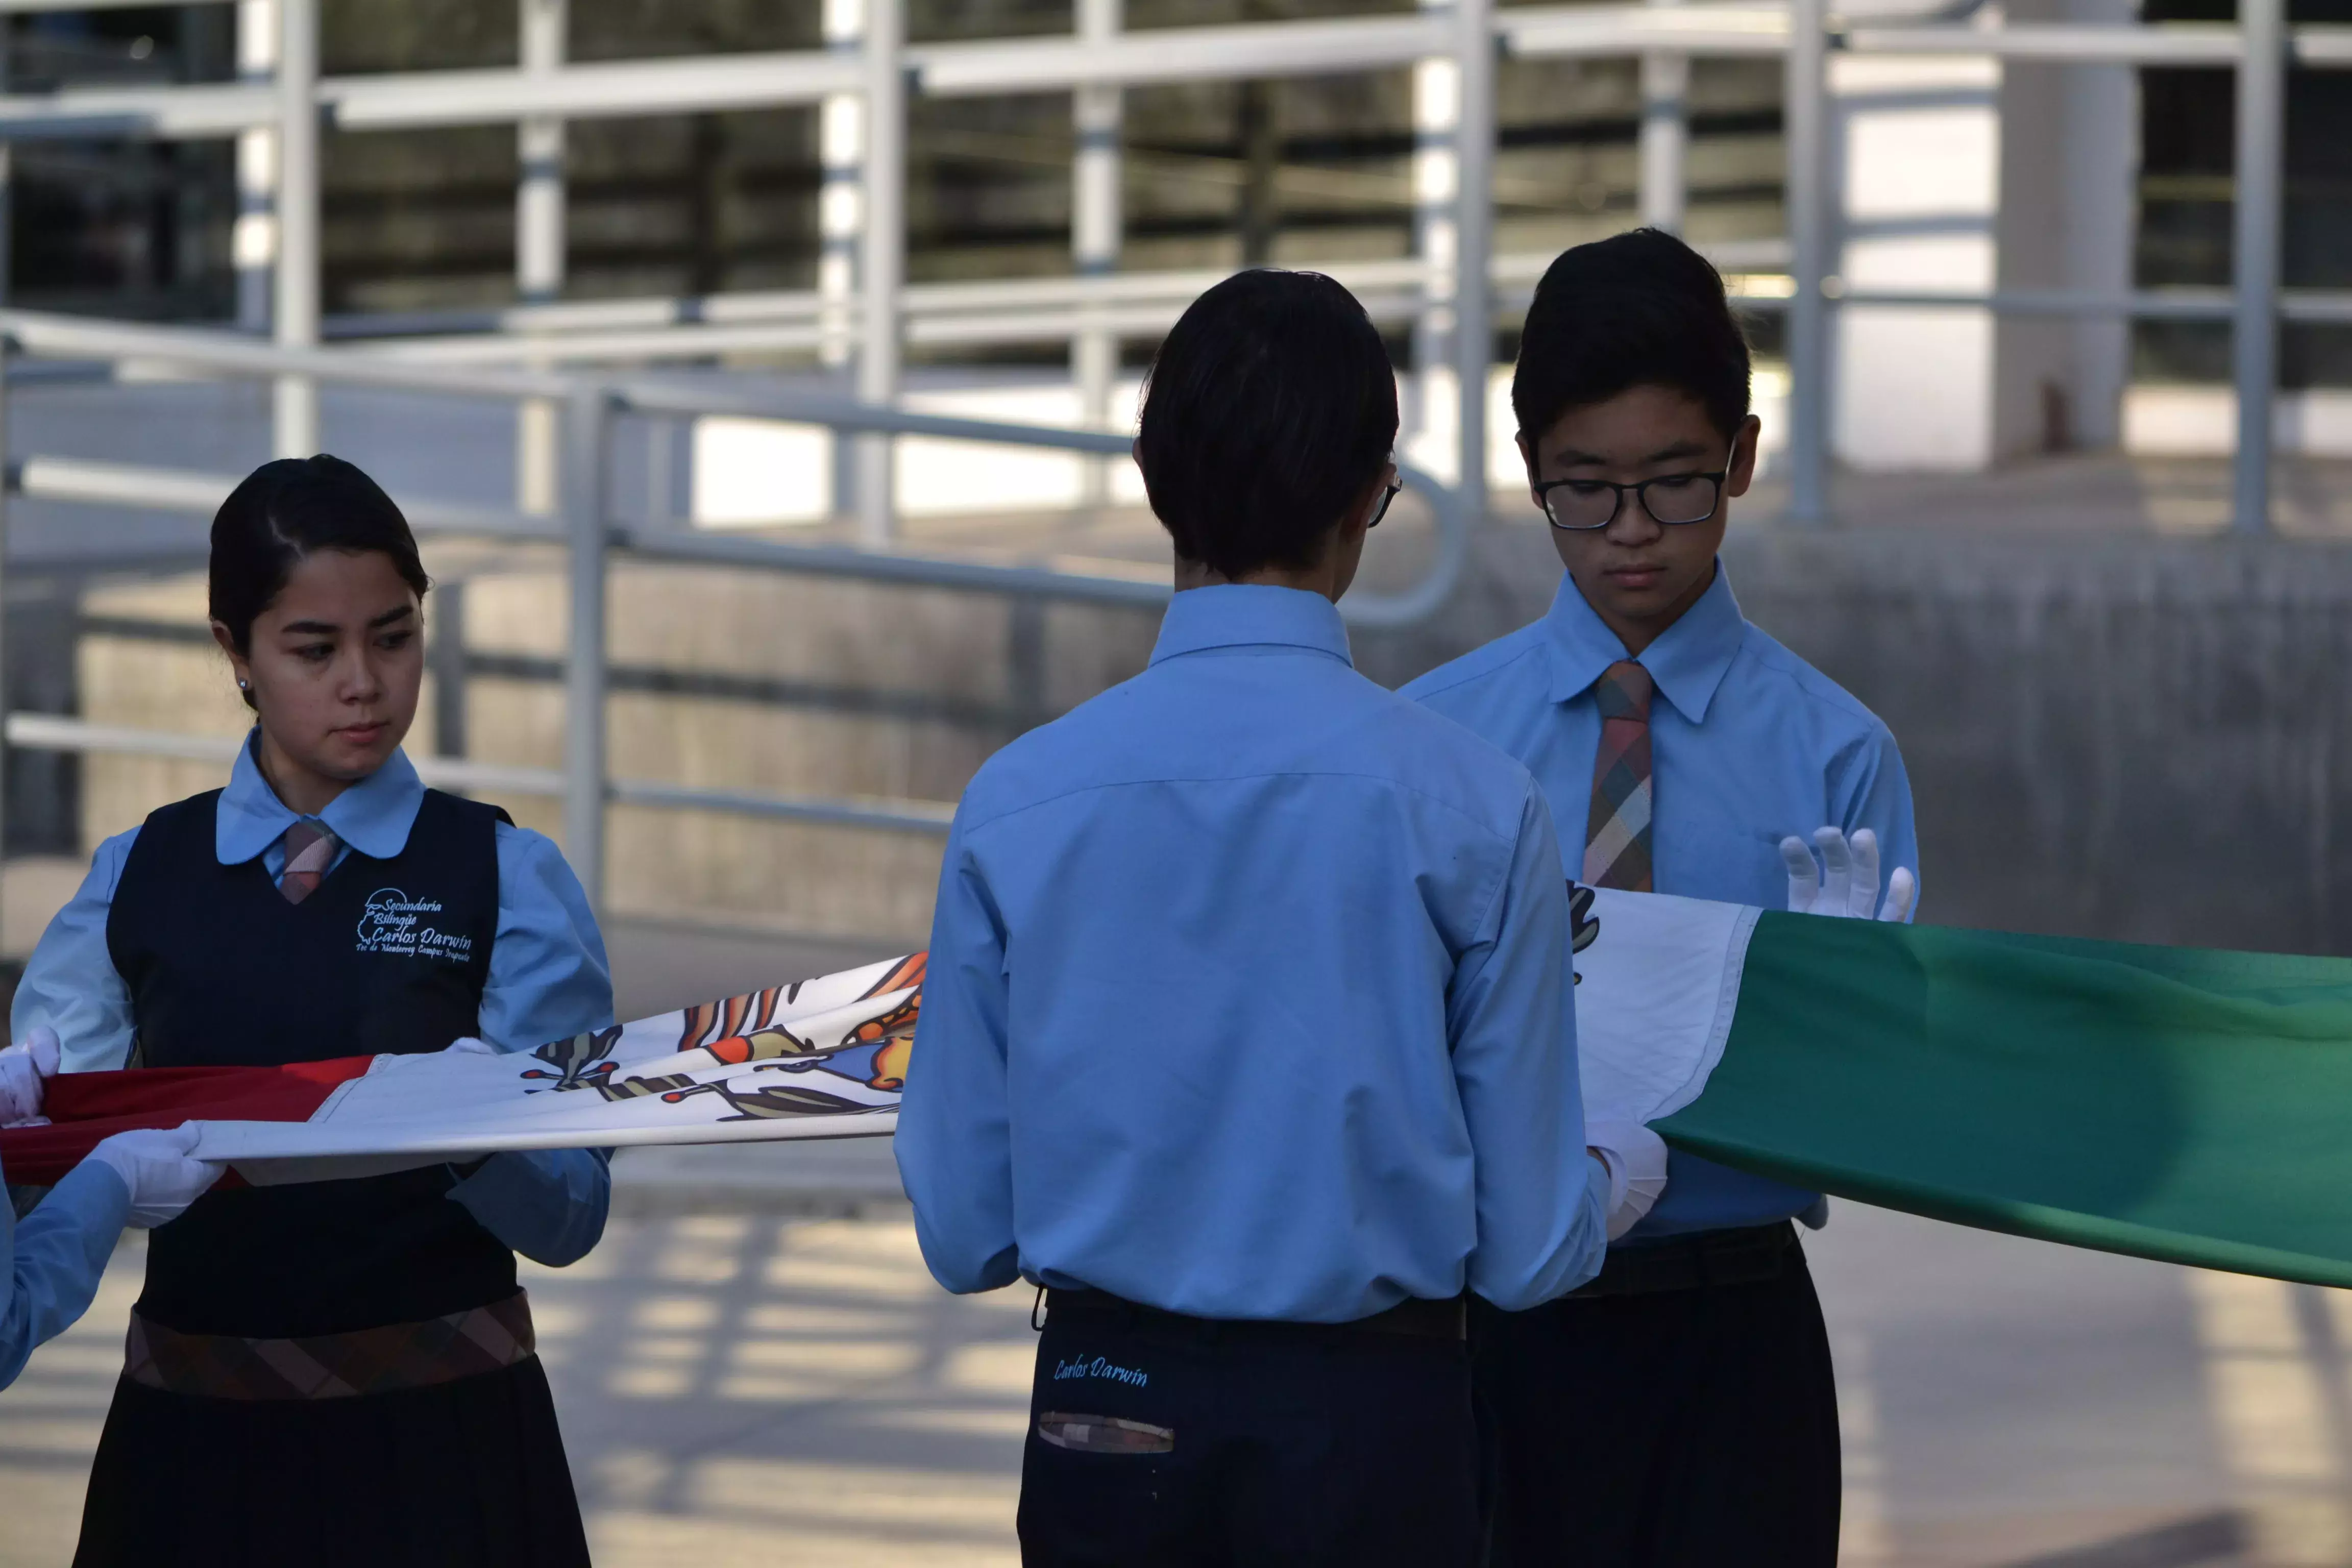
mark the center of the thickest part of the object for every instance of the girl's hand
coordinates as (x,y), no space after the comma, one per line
(25,1069)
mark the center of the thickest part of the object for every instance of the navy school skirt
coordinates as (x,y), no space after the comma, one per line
(466,1474)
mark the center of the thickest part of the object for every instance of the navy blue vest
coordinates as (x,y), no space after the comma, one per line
(385,956)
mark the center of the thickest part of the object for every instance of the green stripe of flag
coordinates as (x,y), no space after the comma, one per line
(2168,1102)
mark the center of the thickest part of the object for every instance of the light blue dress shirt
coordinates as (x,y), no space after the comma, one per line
(50,1264)
(1247,998)
(548,978)
(1748,743)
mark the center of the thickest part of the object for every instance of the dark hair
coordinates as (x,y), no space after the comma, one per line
(1639,308)
(1270,407)
(291,509)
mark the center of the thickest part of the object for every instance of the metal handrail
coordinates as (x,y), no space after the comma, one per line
(711,83)
(588,533)
(2183,305)
(962,309)
(46,334)
(701,339)
(50,335)
(53,733)
(1001,311)
(82,481)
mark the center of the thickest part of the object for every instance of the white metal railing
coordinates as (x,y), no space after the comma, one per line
(1018,310)
(584,528)
(1452,289)
(710,84)
(54,732)
(1456,291)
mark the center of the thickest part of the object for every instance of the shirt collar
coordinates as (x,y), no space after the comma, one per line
(1688,660)
(373,816)
(1239,614)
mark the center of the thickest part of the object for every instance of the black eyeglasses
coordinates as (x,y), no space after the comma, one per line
(1580,506)
(1388,499)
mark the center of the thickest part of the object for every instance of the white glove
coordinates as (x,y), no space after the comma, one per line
(25,1069)
(154,1165)
(1635,1159)
(1845,884)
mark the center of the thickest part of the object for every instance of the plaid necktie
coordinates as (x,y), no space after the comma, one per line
(309,850)
(1617,833)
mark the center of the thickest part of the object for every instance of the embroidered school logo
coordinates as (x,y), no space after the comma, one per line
(1097,1367)
(394,923)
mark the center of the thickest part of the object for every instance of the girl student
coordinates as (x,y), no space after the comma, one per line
(338,1371)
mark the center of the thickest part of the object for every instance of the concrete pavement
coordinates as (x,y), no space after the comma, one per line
(744,1388)
(754,1368)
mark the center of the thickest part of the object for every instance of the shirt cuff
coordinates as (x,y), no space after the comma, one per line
(96,1194)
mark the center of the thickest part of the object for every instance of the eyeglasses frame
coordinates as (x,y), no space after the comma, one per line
(1639,488)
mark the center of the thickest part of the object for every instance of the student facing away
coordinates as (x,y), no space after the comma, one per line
(1247,1032)
(331,1371)
(1678,1411)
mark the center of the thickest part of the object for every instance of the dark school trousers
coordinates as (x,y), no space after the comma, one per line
(1692,1425)
(1156,1441)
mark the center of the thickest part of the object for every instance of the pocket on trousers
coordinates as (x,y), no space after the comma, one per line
(1104,1434)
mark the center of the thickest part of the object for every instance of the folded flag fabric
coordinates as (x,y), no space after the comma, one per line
(823,1058)
(2168,1102)
(84,1106)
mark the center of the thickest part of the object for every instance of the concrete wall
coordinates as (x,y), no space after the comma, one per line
(2130,738)
(750,681)
(2110,736)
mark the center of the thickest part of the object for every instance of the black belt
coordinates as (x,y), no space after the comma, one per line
(1747,1256)
(1414,1317)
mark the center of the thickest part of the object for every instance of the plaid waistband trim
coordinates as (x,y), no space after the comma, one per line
(332,1366)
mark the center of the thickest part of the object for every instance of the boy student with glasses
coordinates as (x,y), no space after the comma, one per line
(1679,1408)
(1247,1035)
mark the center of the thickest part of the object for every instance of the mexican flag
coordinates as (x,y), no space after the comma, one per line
(814,1059)
(2173,1103)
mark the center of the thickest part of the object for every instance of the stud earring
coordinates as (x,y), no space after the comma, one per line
(242,685)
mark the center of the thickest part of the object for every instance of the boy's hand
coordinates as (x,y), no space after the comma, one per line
(1635,1159)
(1845,884)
